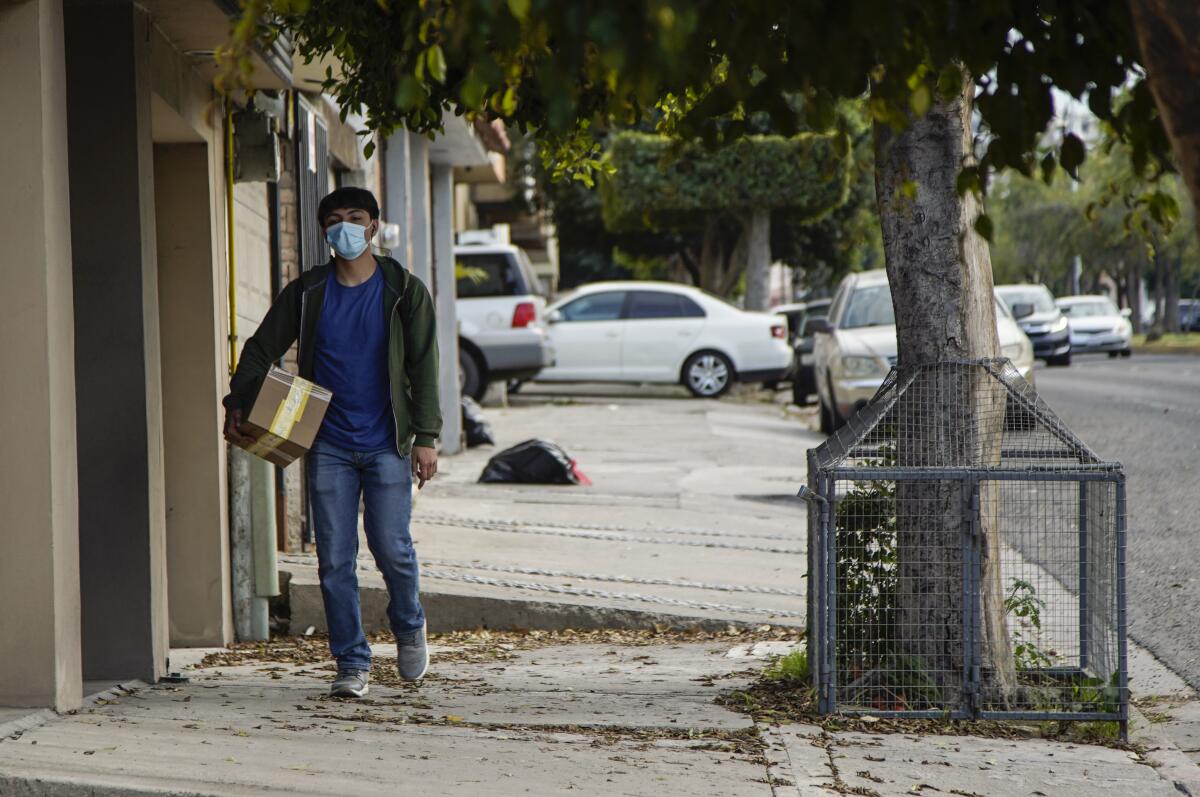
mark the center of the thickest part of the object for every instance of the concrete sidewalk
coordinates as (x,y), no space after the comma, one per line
(606,713)
(691,518)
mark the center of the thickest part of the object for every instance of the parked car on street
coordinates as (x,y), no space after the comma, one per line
(856,345)
(1097,325)
(804,380)
(1189,315)
(1039,317)
(500,310)
(662,332)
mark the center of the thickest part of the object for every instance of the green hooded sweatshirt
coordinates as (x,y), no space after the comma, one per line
(412,348)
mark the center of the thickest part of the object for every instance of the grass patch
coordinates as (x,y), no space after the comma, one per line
(1177,342)
(792,667)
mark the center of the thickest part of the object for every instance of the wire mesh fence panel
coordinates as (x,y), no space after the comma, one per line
(969,551)
(1059,575)
(899,620)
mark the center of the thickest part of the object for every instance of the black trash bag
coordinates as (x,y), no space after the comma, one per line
(477,427)
(533,462)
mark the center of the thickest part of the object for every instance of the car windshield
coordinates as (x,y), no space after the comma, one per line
(1093,308)
(1040,298)
(869,307)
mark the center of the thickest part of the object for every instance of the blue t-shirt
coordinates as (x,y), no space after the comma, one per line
(350,358)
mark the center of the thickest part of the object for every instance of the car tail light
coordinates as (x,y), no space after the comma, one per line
(524,314)
(778,331)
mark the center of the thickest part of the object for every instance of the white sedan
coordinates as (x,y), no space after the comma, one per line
(662,332)
(1097,325)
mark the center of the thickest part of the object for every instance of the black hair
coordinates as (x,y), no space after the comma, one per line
(348,196)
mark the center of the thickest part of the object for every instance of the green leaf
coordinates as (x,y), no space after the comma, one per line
(369,149)
(519,9)
(983,226)
(950,81)
(435,59)
(508,104)
(409,93)
(968,180)
(473,92)
(920,100)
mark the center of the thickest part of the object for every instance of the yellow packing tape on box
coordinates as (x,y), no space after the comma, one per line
(291,409)
(265,444)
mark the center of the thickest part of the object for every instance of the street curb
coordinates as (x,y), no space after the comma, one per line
(1163,754)
(449,611)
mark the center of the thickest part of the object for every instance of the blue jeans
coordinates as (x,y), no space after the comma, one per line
(336,479)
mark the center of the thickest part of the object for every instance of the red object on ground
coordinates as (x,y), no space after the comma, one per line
(582,479)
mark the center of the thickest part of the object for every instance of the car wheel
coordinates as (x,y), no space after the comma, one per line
(1126,352)
(1112,355)
(470,376)
(707,374)
(1062,359)
(831,420)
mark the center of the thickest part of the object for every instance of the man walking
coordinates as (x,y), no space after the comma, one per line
(367,333)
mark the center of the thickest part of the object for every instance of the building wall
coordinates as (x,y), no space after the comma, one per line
(39,563)
(189,196)
(252,253)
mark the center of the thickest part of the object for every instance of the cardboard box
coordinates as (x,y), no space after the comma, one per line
(285,417)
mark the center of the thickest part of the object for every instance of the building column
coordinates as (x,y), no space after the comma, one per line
(117,359)
(419,209)
(39,546)
(396,206)
(447,319)
(193,381)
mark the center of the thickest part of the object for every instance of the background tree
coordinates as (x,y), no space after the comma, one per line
(654,183)
(1112,221)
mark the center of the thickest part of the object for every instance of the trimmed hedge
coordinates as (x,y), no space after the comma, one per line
(660,183)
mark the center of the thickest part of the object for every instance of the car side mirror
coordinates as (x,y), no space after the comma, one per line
(1022,310)
(553,317)
(818,325)
(1126,312)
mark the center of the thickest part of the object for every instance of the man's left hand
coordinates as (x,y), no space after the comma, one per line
(424,464)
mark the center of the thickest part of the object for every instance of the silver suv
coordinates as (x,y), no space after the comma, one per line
(500,308)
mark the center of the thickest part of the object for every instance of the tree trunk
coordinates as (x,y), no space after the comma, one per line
(1133,287)
(688,261)
(1160,294)
(734,266)
(1168,33)
(756,228)
(1171,305)
(711,255)
(941,280)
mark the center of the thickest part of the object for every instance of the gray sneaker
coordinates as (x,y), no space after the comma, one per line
(412,655)
(349,683)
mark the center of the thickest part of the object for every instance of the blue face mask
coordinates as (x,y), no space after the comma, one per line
(347,239)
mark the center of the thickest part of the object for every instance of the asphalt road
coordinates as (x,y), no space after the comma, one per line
(1145,413)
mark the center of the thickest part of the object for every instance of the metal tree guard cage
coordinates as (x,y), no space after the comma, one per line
(967,556)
